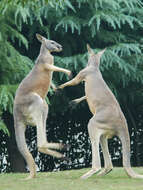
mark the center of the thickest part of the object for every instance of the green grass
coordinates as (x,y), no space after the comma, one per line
(70,180)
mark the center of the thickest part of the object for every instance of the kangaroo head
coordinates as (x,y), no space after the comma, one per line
(94,59)
(50,45)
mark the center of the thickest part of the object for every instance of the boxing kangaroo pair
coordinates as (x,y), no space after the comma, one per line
(30,108)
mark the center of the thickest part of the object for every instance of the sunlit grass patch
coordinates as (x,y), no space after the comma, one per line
(70,180)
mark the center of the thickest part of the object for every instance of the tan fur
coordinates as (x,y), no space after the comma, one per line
(30,107)
(108,119)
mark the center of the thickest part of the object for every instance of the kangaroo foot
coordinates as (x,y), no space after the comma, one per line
(105,171)
(90,173)
(65,146)
(64,158)
(29,177)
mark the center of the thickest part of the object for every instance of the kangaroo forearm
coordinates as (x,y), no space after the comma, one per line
(58,69)
(78,100)
(79,77)
(72,82)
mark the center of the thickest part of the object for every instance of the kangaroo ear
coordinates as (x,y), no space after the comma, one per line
(101,52)
(40,38)
(90,51)
(99,55)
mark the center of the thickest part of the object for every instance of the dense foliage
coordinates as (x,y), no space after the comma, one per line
(116,25)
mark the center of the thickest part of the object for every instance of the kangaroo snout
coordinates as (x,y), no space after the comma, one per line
(59,47)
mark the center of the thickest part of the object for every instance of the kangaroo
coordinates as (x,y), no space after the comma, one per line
(30,107)
(108,120)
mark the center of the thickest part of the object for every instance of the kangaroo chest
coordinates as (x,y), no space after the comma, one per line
(42,84)
(37,81)
(95,93)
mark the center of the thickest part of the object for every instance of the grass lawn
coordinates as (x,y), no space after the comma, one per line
(70,180)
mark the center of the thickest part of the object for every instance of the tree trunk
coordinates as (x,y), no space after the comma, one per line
(17,163)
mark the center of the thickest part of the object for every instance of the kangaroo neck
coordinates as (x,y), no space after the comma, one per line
(44,51)
(45,56)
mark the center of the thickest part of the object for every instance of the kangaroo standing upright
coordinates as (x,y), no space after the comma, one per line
(108,119)
(30,107)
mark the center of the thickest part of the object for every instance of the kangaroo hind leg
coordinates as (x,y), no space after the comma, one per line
(107,160)
(43,145)
(94,134)
(57,146)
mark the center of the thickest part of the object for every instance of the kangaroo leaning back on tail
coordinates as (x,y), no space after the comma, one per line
(30,107)
(108,119)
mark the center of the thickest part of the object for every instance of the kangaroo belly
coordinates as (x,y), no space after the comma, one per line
(91,107)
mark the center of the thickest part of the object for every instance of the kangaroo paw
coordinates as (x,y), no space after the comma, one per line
(72,104)
(105,171)
(90,173)
(66,146)
(64,158)
(70,75)
(58,91)
(29,177)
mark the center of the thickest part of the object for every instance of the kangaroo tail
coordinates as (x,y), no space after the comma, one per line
(22,146)
(125,139)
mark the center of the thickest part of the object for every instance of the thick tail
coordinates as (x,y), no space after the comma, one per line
(125,139)
(22,146)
